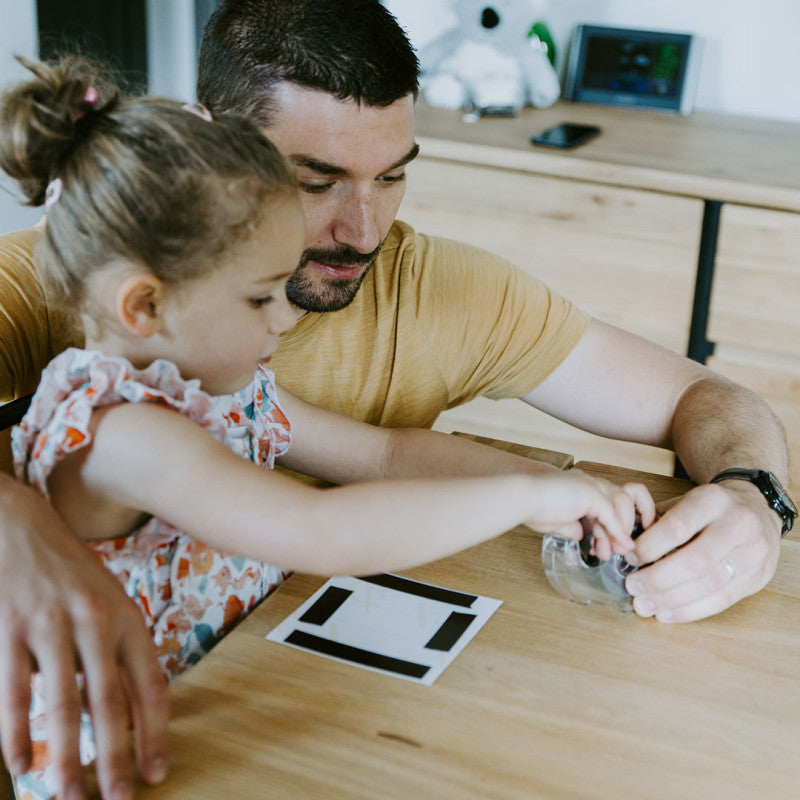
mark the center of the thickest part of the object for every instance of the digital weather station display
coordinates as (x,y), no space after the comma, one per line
(618,64)
(630,67)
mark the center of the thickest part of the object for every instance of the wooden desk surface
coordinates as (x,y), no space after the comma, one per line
(706,155)
(549,700)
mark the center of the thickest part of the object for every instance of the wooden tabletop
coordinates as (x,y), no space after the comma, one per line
(550,700)
(552,457)
(706,155)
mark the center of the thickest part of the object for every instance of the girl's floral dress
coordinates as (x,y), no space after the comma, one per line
(190,595)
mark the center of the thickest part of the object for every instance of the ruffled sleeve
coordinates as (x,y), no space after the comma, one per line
(78,381)
(271,430)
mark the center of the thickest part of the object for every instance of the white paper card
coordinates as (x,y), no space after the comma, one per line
(388,624)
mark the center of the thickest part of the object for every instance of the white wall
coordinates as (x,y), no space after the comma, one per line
(751,61)
(171,67)
(170,48)
(17,36)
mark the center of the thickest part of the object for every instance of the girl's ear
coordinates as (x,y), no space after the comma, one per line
(138,304)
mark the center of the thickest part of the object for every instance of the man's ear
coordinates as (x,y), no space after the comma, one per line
(138,304)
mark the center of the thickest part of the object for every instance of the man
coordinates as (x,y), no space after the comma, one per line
(420,325)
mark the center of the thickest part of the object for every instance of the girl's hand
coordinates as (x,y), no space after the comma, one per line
(608,511)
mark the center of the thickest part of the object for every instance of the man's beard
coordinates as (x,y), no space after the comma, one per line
(328,294)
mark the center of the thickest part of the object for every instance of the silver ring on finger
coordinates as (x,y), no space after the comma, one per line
(729,568)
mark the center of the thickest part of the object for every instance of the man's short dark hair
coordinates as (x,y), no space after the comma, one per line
(352,49)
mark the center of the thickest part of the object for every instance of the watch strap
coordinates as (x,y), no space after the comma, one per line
(769,486)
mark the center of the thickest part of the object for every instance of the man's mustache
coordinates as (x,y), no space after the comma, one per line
(342,256)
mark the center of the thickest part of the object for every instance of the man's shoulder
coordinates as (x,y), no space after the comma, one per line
(409,255)
(17,247)
(20,289)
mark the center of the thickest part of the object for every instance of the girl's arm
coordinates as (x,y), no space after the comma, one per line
(342,450)
(147,458)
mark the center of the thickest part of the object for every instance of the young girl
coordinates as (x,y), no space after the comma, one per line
(171,235)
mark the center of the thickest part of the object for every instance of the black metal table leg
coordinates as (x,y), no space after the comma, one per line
(700,348)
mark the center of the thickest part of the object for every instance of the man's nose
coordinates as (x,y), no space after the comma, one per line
(356,223)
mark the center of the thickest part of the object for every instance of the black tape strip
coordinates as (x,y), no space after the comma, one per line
(422,590)
(450,631)
(326,605)
(355,654)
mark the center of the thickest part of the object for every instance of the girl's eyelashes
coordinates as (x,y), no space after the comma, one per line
(257,302)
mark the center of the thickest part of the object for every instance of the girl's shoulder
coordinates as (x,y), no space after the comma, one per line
(78,382)
(75,384)
(95,379)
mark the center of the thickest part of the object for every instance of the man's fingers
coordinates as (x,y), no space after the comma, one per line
(16,669)
(58,601)
(63,701)
(698,509)
(690,598)
(108,706)
(149,703)
(708,575)
(699,597)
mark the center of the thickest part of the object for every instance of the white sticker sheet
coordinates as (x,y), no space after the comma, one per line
(388,624)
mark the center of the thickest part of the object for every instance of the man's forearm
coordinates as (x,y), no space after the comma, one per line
(59,604)
(718,425)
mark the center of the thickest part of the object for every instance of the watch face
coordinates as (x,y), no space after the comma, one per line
(770,487)
(780,492)
(780,501)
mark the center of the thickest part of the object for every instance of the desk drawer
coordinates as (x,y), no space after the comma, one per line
(756,293)
(626,256)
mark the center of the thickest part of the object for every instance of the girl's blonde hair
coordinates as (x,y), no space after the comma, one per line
(139,178)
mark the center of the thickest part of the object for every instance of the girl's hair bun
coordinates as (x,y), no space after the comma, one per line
(133,178)
(44,120)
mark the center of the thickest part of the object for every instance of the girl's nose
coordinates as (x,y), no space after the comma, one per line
(284,316)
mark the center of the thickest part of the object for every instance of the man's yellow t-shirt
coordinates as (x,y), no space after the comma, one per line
(435,324)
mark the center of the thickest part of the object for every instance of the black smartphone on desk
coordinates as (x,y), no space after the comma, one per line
(566,135)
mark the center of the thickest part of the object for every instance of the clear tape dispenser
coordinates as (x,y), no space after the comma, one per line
(574,572)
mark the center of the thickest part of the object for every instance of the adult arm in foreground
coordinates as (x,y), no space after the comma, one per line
(618,385)
(62,611)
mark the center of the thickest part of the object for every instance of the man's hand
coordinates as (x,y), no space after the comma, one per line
(735,553)
(61,611)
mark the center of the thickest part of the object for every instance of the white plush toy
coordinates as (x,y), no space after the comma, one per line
(488,62)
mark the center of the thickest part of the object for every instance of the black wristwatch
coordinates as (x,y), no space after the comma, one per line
(770,487)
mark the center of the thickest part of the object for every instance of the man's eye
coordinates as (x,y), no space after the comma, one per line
(393,178)
(257,302)
(315,188)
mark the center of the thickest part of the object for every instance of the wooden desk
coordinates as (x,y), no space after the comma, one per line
(549,700)
(743,160)
(684,230)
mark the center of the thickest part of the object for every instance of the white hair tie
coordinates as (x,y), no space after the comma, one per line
(52,193)
(199,110)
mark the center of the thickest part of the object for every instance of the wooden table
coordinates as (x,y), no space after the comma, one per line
(684,230)
(549,700)
(733,159)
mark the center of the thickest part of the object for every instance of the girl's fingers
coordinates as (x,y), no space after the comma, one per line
(626,510)
(568,530)
(643,501)
(610,514)
(602,543)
